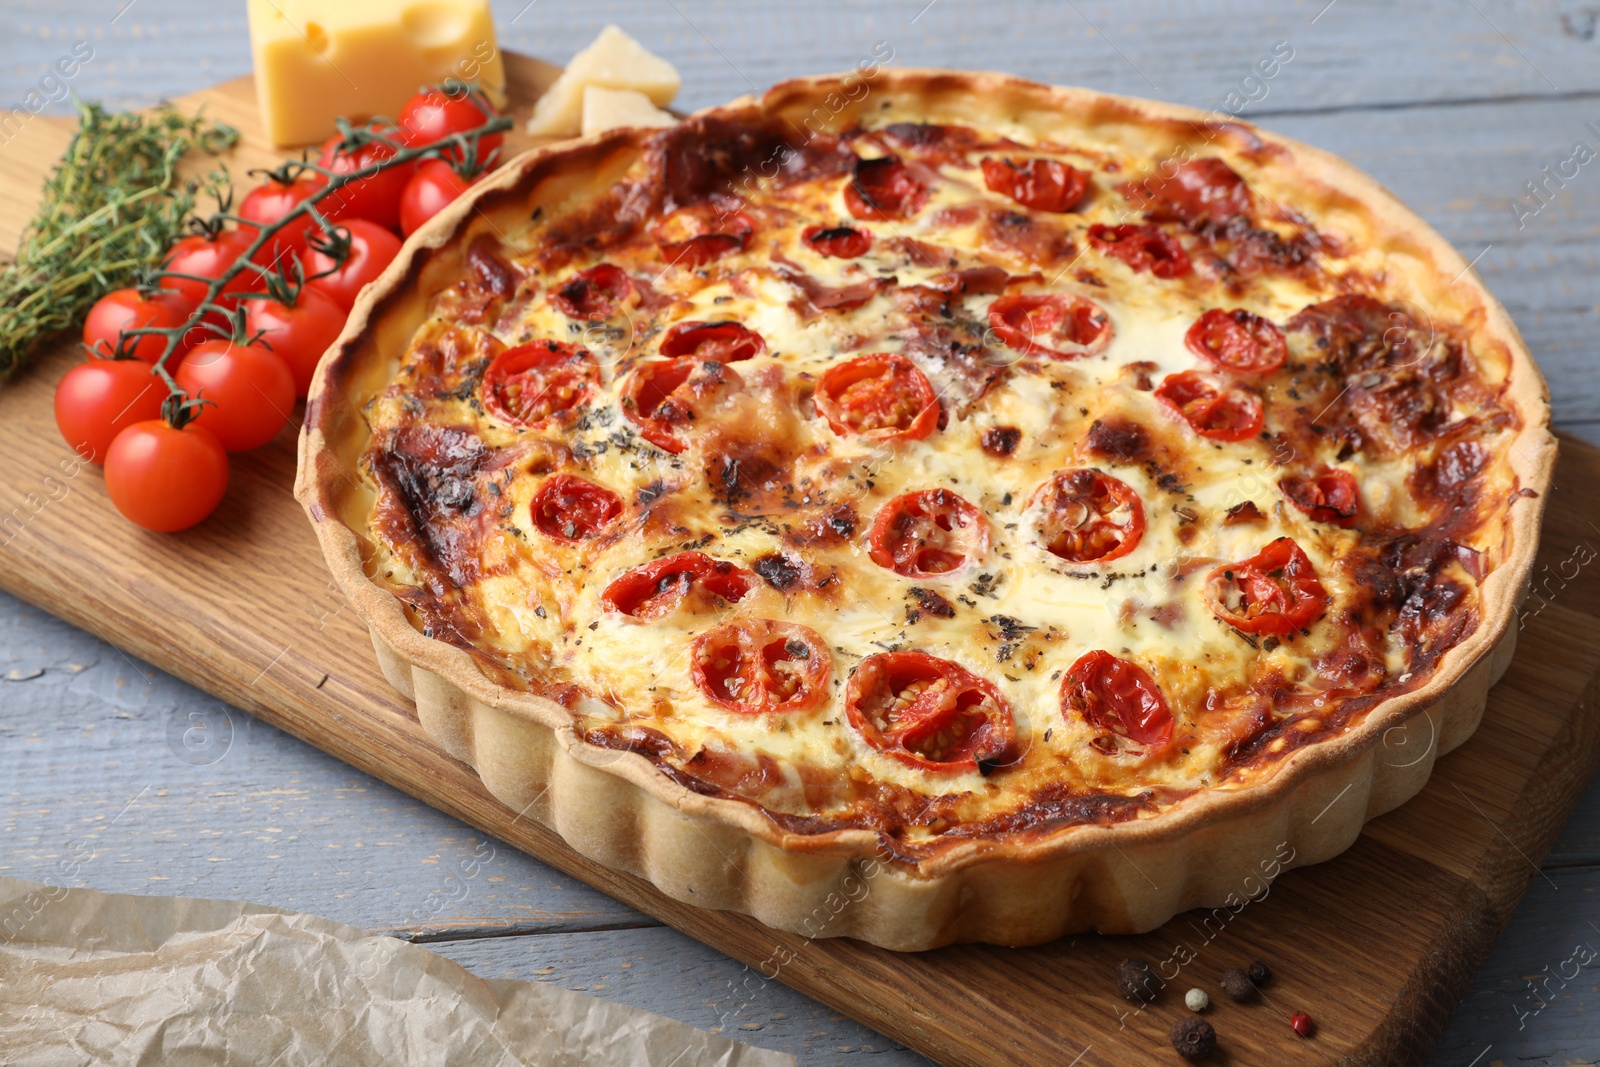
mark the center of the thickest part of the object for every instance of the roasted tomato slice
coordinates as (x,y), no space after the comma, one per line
(1200,190)
(659,587)
(1273,592)
(725,342)
(661,397)
(1142,248)
(1040,184)
(693,236)
(758,665)
(1119,697)
(531,382)
(593,294)
(1211,408)
(1238,341)
(840,242)
(927,711)
(928,533)
(1329,496)
(1088,516)
(884,189)
(569,508)
(880,397)
(1058,325)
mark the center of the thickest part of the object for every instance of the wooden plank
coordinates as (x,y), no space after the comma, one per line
(241,607)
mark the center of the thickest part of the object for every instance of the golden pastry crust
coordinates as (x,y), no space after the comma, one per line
(563,732)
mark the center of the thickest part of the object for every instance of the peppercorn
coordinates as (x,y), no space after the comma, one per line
(1193,1038)
(1136,981)
(1197,1000)
(1237,985)
(1259,973)
(1303,1024)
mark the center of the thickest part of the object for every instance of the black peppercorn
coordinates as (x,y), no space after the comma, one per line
(1237,984)
(1259,973)
(1193,1038)
(1135,981)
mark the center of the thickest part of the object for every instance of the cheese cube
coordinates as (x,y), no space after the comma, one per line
(606,109)
(316,60)
(613,61)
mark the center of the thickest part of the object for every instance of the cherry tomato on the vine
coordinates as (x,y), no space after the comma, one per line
(298,334)
(99,399)
(251,392)
(129,309)
(269,202)
(375,197)
(166,479)
(372,248)
(203,257)
(434,114)
(430,190)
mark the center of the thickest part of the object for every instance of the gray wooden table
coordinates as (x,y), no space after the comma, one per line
(1456,105)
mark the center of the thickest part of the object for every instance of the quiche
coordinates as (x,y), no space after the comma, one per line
(927,506)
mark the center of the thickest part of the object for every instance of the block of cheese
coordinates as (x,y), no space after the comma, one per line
(318,59)
(613,61)
(606,109)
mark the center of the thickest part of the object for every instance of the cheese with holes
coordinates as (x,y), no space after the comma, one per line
(316,60)
(606,109)
(613,61)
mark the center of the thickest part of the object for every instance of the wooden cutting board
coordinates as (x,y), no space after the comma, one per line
(1378,945)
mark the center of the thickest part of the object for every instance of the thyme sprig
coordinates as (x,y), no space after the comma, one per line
(111,208)
(331,236)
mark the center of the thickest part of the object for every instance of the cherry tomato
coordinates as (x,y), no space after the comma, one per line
(571,509)
(372,248)
(1119,697)
(1200,190)
(1040,184)
(725,342)
(532,382)
(594,294)
(1211,408)
(376,197)
(251,392)
(1273,592)
(129,309)
(928,533)
(205,257)
(272,200)
(662,586)
(661,397)
(99,399)
(164,479)
(884,189)
(1330,495)
(1088,516)
(1238,341)
(878,397)
(434,114)
(696,235)
(928,712)
(1058,325)
(1142,248)
(840,242)
(431,189)
(298,335)
(758,666)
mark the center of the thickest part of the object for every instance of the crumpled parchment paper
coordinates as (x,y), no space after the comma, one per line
(101,978)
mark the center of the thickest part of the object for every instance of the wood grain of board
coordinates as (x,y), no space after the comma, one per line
(1378,945)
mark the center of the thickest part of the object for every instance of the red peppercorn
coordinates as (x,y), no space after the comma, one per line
(1302,1023)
